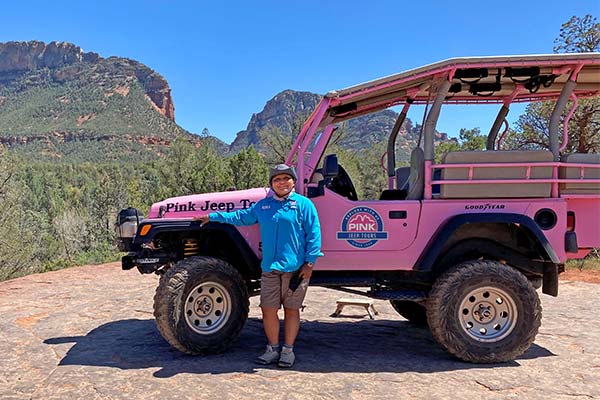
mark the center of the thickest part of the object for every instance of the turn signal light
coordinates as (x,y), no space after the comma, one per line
(570,221)
(145,229)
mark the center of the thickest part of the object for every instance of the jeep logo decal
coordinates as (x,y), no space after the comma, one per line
(362,227)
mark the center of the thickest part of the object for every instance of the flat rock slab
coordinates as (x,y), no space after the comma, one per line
(88,332)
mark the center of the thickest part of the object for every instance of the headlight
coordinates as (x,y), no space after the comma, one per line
(126,226)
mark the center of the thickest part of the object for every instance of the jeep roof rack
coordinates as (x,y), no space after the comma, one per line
(474,80)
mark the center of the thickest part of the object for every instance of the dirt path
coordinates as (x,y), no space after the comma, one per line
(88,332)
(589,276)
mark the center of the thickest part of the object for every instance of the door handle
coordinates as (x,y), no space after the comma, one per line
(397,214)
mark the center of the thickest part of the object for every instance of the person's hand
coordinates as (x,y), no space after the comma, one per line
(305,271)
(202,218)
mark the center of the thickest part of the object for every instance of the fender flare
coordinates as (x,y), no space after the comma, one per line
(159,227)
(438,240)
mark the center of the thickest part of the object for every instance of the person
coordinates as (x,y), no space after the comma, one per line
(291,243)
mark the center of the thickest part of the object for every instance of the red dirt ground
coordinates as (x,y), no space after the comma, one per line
(589,276)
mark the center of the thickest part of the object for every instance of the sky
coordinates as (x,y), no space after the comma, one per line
(225,59)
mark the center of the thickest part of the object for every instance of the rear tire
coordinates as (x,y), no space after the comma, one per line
(484,312)
(412,311)
(201,305)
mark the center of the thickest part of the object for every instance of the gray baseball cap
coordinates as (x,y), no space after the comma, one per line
(282,169)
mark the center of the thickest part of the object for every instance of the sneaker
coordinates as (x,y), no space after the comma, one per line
(287,358)
(270,356)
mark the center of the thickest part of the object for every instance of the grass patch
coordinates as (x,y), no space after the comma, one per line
(589,263)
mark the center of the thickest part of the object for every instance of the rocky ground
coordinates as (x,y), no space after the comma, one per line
(88,332)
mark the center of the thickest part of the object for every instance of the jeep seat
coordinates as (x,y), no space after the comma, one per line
(402,175)
(488,191)
(574,173)
(416,179)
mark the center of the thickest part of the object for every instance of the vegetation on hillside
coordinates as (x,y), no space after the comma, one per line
(84,99)
(58,215)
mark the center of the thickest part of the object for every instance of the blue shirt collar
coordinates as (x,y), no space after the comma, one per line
(290,196)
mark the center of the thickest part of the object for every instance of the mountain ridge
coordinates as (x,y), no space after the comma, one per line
(58,101)
(65,59)
(287,110)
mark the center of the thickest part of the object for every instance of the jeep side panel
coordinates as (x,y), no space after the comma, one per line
(398,243)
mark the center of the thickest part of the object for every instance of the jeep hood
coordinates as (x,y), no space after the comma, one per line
(199,204)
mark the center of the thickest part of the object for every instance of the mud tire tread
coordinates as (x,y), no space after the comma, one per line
(445,297)
(171,292)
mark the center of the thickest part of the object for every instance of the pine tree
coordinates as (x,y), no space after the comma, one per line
(248,169)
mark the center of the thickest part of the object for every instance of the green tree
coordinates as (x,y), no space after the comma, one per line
(373,178)
(468,140)
(576,35)
(248,169)
(16,253)
(209,171)
(276,144)
(109,197)
(176,168)
(445,147)
(472,139)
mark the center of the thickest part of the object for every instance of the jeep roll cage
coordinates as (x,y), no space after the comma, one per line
(477,80)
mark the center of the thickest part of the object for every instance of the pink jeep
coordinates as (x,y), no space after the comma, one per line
(461,245)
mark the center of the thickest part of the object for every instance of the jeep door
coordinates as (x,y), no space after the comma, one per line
(369,234)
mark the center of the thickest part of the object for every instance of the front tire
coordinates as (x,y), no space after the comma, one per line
(484,312)
(201,305)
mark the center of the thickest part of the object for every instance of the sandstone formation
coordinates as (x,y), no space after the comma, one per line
(66,61)
(286,112)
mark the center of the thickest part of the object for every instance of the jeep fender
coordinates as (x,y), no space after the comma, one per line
(547,268)
(240,256)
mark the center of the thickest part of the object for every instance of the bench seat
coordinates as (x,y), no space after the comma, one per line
(574,173)
(488,191)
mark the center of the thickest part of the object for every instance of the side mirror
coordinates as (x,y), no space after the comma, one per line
(330,166)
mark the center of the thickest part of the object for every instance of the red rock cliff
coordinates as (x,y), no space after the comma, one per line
(19,57)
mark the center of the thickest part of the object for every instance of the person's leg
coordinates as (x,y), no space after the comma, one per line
(270,301)
(271,324)
(292,302)
(291,325)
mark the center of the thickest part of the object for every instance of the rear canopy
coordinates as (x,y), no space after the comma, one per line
(473,80)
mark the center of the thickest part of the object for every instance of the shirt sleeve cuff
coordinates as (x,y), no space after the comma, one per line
(312,258)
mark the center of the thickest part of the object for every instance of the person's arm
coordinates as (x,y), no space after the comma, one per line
(312,231)
(240,217)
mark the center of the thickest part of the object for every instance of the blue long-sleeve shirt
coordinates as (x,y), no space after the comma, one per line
(290,230)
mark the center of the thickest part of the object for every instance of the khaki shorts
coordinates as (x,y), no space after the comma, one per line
(275,291)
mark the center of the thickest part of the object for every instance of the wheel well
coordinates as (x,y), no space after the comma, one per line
(506,242)
(225,244)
